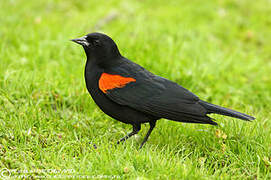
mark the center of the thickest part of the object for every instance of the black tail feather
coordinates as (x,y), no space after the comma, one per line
(211,108)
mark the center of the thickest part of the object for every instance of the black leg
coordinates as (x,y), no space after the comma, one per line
(136,129)
(152,125)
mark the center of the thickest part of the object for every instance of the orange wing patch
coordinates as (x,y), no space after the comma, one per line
(110,81)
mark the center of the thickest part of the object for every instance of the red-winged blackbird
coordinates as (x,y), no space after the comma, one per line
(131,94)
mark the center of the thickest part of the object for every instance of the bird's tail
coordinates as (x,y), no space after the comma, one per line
(211,108)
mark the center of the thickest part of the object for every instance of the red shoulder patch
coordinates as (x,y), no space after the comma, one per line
(111,81)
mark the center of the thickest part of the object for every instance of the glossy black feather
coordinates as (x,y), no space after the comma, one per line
(155,95)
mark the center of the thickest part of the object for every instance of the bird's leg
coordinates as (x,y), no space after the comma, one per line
(136,129)
(152,125)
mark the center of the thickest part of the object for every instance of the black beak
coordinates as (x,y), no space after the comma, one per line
(82,41)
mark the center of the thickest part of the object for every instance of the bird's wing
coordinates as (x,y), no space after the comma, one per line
(131,85)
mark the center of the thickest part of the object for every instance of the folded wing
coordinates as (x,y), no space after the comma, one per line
(155,95)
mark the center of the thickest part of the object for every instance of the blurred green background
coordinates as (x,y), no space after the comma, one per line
(220,50)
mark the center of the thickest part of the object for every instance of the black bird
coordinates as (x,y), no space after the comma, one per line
(129,93)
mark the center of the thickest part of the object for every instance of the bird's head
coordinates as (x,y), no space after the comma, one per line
(98,47)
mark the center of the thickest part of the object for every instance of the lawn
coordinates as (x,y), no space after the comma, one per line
(50,126)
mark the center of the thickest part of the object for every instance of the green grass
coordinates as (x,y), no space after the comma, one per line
(220,50)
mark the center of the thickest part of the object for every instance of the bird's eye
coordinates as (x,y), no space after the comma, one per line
(96,42)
